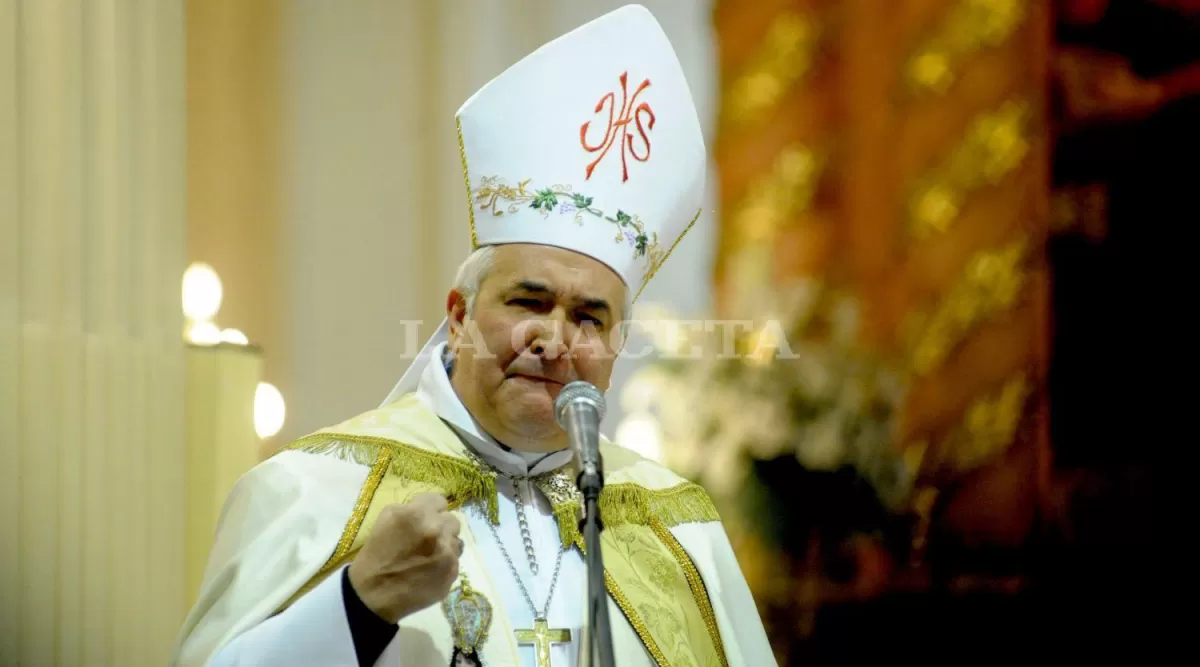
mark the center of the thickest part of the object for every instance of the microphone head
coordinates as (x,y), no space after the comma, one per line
(578,391)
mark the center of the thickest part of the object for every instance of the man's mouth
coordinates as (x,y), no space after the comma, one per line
(537,378)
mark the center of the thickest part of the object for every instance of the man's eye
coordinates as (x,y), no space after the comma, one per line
(588,319)
(532,304)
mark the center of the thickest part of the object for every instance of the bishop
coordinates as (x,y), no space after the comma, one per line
(441,528)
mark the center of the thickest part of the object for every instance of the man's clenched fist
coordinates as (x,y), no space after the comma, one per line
(410,560)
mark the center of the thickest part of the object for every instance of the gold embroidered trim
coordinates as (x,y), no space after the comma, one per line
(458,478)
(969,28)
(462,153)
(989,426)
(626,608)
(995,144)
(629,503)
(462,481)
(378,469)
(787,51)
(991,283)
(776,198)
(495,195)
(663,260)
(699,591)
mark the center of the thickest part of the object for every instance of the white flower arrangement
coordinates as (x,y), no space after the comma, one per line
(800,385)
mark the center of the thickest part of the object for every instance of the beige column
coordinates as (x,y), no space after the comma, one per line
(91,358)
(234,169)
(221,443)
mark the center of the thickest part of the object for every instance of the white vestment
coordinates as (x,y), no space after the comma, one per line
(303,501)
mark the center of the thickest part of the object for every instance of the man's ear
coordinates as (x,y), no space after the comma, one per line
(456,311)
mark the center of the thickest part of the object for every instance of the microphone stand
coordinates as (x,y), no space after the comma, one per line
(599,649)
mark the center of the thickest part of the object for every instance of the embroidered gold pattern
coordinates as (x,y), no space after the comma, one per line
(378,469)
(498,197)
(462,153)
(629,503)
(461,481)
(969,27)
(994,146)
(635,620)
(786,55)
(559,488)
(663,260)
(988,427)
(663,631)
(464,481)
(990,284)
(699,591)
(624,505)
(778,196)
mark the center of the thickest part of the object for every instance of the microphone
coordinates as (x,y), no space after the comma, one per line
(579,409)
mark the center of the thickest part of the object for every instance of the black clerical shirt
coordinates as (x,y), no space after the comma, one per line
(371,633)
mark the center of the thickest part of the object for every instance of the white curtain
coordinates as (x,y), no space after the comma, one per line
(374,222)
(92,235)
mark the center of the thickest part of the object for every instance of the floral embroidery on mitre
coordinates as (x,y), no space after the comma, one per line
(495,195)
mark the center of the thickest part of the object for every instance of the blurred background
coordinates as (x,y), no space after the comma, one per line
(944,232)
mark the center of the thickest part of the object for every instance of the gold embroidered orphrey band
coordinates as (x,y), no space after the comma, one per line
(461,481)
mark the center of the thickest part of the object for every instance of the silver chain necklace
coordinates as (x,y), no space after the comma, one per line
(526,535)
(517,575)
(558,488)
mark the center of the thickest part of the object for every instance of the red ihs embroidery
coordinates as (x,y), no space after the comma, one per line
(619,127)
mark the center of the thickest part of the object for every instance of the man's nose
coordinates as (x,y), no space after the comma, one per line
(549,347)
(550,342)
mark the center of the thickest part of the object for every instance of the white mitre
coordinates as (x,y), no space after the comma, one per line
(591,143)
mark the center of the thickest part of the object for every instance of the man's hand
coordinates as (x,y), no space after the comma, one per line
(410,560)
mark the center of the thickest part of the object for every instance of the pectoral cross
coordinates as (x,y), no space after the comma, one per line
(541,637)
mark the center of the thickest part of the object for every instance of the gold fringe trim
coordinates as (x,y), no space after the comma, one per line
(696,583)
(629,503)
(463,481)
(458,478)
(567,515)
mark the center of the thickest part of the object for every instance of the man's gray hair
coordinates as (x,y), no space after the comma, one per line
(475,268)
(471,273)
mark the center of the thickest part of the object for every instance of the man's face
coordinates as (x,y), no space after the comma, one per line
(543,317)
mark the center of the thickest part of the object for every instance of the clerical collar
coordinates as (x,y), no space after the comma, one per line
(436,392)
